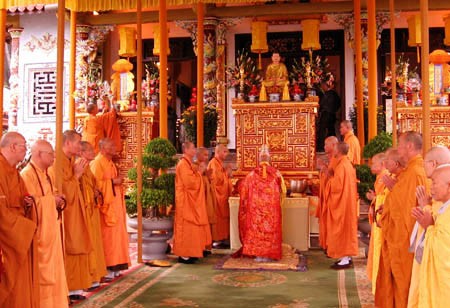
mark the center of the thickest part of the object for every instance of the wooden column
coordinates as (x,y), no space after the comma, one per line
(373,94)
(425,77)
(359,72)
(15,92)
(2,61)
(139,123)
(163,132)
(73,53)
(393,74)
(59,94)
(200,70)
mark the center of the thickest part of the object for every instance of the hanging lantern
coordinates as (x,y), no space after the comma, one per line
(127,40)
(259,39)
(447,30)
(157,40)
(414,31)
(310,34)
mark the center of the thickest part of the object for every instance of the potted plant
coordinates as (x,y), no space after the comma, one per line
(157,197)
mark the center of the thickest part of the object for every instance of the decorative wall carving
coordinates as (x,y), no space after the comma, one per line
(46,43)
(288,129)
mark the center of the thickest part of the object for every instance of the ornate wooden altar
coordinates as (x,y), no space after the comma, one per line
(410,118)
(128,133)
(289,128)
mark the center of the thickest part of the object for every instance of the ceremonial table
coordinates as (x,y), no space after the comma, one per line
(129,135)
(288,128)
(410,119)
(298,221)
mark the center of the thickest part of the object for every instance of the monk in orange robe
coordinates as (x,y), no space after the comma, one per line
(19,283)
(77,240)
(93,200)
(394,274)
(435,158)
(342,238)
(191,227)
(377,198)
(96,127)
(53,283)
(223,189)
(260,212)
(354,150)
(322,208)
(113,212)
(202,159)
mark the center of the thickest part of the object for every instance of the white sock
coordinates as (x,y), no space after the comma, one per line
(110,274)
(95,284)
(117,274)
(76,292)
(344,261)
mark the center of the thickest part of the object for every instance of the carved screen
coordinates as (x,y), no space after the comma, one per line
(40,92)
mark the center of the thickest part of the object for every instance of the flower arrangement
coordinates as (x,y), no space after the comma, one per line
(407,78)
(189,122)
(150,85)
(92,92)
(311,73)
(244,75)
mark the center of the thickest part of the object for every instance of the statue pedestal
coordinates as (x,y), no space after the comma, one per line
(288,128)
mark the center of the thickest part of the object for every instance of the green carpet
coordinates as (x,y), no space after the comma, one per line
(200,285)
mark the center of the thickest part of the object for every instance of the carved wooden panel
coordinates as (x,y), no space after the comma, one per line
(288,128)
(410,118)
(129,136)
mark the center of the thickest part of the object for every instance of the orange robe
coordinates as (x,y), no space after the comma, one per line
(191,226)
(52,282)
(322,208)
(19,283)
(394,274)
(113,214)
(354,150)
(97,255)
(223,188)
(260,214)
(77,240)
(97,127)
(341,194)
(211,204)
(373,258)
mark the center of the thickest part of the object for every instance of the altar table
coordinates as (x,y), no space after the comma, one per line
(297,222)
(288,128)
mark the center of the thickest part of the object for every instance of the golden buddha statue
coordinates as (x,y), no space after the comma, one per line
(276,73)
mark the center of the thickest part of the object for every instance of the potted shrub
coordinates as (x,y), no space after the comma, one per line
(157,197)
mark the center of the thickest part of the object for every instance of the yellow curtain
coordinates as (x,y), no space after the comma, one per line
(108,5)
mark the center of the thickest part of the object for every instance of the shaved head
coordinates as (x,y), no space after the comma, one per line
(202,154)
(379,157)
(42,154)
(347,124)
(104,143)
(434,158)
(40,145)
(440,187)
(10,138)
(342,148)
(330,145)
(186,145)
(393,161)
(221,152)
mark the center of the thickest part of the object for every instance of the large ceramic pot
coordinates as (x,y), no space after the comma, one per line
(156,233)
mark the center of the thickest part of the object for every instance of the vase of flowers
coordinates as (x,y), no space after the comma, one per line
(189,122)
(311,73)
(243,75)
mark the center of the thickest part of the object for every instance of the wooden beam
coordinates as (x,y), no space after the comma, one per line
(293,10)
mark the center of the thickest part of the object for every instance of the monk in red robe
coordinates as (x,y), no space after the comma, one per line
(260,229)
(96,127)
(341,194)
(322,208)
(19,283)
(354,148)
(394,274)
(113,212)
(223,189)
(191,227)
(93,200)
(53,283)
(77,240)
